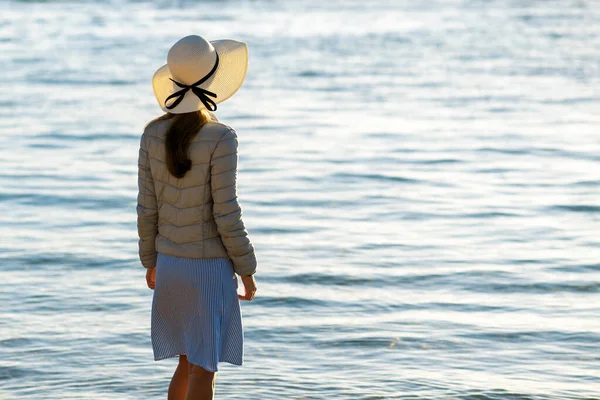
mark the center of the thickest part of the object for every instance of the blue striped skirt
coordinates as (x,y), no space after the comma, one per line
(196,311)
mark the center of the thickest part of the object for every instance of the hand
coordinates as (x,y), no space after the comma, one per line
(151,277)
(249,286)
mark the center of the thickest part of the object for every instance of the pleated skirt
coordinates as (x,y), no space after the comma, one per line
(196,311)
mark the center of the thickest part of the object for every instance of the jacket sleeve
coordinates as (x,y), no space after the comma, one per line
(226,208)
(147,213)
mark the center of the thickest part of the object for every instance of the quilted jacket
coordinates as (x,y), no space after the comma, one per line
(197,216)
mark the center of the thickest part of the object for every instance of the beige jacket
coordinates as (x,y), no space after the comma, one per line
(197,216)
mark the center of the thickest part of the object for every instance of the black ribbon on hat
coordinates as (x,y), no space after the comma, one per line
(201,93)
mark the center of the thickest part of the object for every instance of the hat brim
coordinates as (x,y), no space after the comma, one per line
(227,79)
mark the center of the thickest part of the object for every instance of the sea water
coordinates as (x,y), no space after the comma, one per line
(420,180)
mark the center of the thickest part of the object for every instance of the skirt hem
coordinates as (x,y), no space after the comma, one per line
(176,354)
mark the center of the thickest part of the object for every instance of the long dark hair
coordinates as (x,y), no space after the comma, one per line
(183,128)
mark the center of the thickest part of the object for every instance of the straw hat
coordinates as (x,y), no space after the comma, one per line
(200,74)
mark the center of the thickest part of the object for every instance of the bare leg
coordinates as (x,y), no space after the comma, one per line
(201,383)
(179,382)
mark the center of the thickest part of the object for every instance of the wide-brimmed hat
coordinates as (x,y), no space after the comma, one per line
(200,74)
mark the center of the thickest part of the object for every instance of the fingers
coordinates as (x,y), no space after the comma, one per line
(249,288)
(151,283)
(247,296)
(151,278)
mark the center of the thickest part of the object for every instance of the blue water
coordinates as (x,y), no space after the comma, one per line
(420,180)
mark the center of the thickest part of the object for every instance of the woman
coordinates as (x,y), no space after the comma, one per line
(193,241)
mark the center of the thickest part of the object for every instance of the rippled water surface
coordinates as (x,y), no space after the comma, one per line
(420,180)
